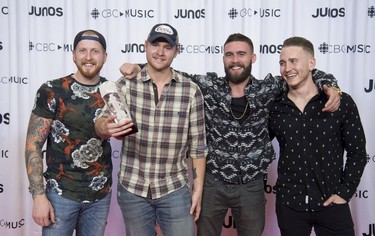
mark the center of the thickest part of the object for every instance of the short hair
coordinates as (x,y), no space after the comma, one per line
(239,37)
(300,42)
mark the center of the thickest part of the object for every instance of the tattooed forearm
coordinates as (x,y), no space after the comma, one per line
(37,134)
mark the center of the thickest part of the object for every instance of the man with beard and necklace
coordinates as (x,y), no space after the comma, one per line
(239,147)
(79,167)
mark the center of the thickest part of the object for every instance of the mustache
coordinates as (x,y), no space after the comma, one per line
(236,65)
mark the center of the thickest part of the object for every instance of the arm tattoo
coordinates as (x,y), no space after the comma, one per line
(37,134)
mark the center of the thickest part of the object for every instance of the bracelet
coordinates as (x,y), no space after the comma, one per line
(337,89)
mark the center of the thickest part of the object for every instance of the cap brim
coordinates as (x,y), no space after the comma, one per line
(157,36)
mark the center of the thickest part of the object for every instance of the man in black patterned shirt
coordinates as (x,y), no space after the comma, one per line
(314,186)
(239,146)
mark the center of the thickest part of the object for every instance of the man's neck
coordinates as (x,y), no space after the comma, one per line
(303,94)
(87,81)
(238,90)
(160,77)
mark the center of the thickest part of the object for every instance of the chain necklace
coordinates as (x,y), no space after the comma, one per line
(244,112)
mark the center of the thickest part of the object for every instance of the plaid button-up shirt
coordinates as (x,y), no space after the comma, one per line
(169,131)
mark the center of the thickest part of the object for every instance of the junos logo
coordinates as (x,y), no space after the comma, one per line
(371,230)
(270,49)
(46,11)
(190,14)
(329,12)
(5,118)
(133,47)
(269,189)
(229,223)
(370,88)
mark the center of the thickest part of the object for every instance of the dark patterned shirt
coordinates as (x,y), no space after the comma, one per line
(153,161)
(241,152)
(312,144)
(79,165)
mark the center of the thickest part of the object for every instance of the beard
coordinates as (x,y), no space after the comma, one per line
(89,73)
(237,79)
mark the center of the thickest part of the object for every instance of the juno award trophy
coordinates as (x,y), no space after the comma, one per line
(116,103)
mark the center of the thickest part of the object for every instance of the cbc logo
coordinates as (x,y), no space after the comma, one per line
(4,10)
(46,47)
(115,13)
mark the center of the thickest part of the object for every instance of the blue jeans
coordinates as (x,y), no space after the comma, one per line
(171,212)
(247,202)
(88,219)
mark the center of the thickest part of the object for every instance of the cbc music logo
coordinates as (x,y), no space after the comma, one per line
(49,47)
(14,80)
(249,12)
(191,49)
(115,13)
(329,12)
(46,11)
(4,154)
(326,48)
(4,10)
(371,12)
(12,224)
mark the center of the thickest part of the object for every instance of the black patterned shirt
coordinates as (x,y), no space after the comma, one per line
(312,143)
(241,151)
(79,165)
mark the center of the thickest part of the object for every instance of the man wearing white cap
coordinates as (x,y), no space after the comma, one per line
(168,110)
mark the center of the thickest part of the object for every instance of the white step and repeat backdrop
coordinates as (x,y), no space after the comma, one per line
(36,45)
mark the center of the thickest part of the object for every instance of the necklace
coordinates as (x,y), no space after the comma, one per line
(244,112)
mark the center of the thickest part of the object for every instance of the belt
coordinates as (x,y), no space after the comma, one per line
(240,181)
